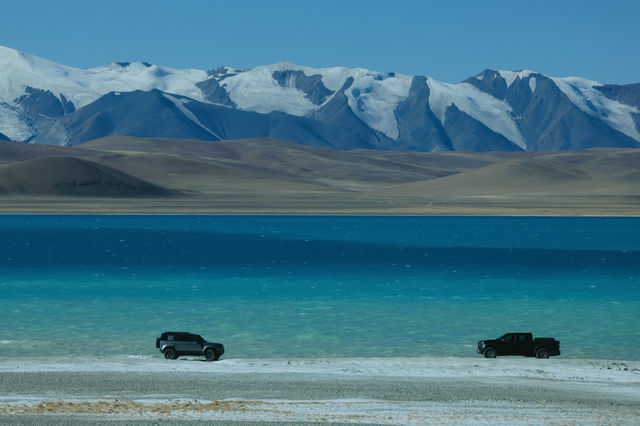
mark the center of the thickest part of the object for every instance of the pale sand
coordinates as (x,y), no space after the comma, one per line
(367,390)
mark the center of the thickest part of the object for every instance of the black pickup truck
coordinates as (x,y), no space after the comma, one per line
(519,344)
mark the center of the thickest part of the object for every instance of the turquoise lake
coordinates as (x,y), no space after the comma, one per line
(317,286)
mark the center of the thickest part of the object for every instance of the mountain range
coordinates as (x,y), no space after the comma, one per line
(43,102)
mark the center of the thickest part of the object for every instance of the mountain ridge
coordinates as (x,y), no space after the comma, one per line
(337,107)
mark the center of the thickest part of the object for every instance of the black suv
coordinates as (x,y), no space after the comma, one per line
(175,343)
(519,344)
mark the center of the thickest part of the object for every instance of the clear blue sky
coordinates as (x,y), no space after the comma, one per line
(448,40)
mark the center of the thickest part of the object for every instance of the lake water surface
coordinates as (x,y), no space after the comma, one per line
(317,286)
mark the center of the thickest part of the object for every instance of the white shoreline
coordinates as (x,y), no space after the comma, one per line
(583,370)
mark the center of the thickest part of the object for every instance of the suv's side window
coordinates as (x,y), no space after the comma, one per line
(170,337)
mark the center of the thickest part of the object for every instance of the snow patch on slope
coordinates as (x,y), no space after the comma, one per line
(493,113)
(83,86)
(180,104)
(510,76)
(532,84)
(13,126)
(583,94)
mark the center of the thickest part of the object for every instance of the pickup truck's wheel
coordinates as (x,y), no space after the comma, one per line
(169,353)
(490,353)
(542,353)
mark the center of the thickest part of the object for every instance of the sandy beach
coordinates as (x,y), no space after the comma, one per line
(77,390)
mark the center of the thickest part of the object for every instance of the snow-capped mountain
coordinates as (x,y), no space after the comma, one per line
(343,108)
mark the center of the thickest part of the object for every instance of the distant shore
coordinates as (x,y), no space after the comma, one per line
(207,206)
(347,390)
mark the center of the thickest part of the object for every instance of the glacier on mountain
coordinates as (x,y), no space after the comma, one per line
(13,125)
(257,90)
(585,96)
(493,113)
(374,98)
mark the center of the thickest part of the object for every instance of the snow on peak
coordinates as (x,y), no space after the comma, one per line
(493,113)
(82,86)
(18,70)
(510,76)
(257,90)
(584,95)
(372,97)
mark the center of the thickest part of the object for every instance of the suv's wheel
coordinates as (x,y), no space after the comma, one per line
(542,353)
(170,353)
(490,353)
(211,355)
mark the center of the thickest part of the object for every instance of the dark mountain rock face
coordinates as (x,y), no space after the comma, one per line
(344,130)
(141,114)
(418,126)
(627,93)
(491,82)
(463,130)
(312,86)
(37,101)
(215,93)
